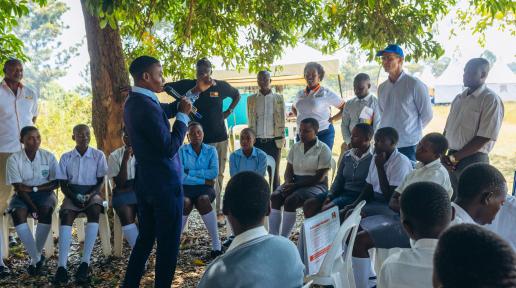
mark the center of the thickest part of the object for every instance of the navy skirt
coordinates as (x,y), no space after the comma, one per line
(195,191)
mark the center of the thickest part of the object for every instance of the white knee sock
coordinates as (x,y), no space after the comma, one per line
(28,241)
(91,231)
(1,248)
(42,231)
(185,221)
(65,240)
(274,221)
(130,233)
(210,220)
(361,267)
(289,219)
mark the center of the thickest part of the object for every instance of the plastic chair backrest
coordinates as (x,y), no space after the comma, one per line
(333,169)
(271,166)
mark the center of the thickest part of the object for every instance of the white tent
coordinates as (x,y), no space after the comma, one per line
(287,70)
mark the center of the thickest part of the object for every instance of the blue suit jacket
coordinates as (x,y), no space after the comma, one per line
(158,167)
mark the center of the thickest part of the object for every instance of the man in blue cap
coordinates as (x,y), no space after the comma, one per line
(404,102)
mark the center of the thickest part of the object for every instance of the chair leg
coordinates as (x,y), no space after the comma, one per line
(55,223)
(49,245)
(79,222)
(30,223)
(4,241)
(118,234)
(105,234)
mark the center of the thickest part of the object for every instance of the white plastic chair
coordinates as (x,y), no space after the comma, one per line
(335,270)
(271,164)
(235,135)
(308,284)
(333,166)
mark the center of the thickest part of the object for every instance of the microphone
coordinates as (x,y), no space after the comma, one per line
(172,92)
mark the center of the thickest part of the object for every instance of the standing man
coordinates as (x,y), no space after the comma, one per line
(209,105)
(474,121)
(266,115)
(404,102)
(158,181)
(18,108)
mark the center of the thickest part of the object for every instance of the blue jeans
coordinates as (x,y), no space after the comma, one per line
(327,136)
(409,151)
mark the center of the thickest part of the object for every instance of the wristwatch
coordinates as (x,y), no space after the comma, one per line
(35,189)
(452,159)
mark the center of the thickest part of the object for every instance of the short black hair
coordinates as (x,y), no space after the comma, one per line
(317,66)
(264,72)
(361,77)
(26,130)
(203,62)
(438,142)
(78,127)
(480,63)
(248,130)
(366,130)
(468,255)
(141,65)
(427,206)
(313,122)
(194,123)
(247,198)
(478,179)
(389,133)
(12,61)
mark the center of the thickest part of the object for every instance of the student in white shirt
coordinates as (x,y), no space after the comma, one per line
(470,256)
(305,178)
(32,172)
(425,212)
(121,169)
(80,174)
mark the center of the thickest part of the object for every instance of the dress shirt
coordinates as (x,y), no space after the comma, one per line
(352,111)
(256,162)
(397,167)
(31,173)
(82,170)
(202,167)
(433,172)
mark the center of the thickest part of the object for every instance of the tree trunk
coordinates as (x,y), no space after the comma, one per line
(108,74)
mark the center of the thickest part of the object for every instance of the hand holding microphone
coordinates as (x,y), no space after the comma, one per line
(202,85)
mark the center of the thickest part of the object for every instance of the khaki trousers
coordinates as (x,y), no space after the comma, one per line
(222,154)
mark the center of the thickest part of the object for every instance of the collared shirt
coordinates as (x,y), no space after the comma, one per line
(478,114)
(406,107)
(397,167)
(256,162)
(316,104)
(144,91)
(306,164)
(82,170)
(503,224)
(461,216)
(115,163)
(16,112)
(247,236)
(352,172)
(356,111)
(433,172)
(198,168)
(264,115)
(39,171)
(409,268)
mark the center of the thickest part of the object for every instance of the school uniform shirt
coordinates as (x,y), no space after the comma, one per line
(409,268)
(306,164)
(316,104)
(461,216)
(16,112)
(356,111)
(202,167)
(40,171)
(115,162)
(432,172)
(256,162)
(503,224)
(405,106)
(352,173)
(397,167)
(82,170)
(478,114)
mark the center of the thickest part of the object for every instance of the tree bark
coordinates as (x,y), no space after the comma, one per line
(108,74)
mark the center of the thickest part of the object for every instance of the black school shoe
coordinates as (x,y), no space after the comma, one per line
(4,271)
(61,276)
(228,242)
(215,253)
(82,274)
(40,264)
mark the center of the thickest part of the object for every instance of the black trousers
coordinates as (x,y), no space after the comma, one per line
(268,145)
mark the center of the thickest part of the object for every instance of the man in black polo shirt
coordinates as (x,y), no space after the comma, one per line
(209,105)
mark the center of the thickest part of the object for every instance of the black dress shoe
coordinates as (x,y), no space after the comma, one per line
(82,274)
(215,253)
(4,271)
(61,276)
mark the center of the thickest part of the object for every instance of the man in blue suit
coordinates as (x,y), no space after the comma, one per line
(158,181)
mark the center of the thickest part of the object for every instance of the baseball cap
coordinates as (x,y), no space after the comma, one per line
(392,48)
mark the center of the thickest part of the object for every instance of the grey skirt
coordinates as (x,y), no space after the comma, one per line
(386,231)
(40,199)
(81,189)
(123,198)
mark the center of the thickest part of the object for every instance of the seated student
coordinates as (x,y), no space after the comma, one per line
(255,258)
(32,172)
(480,195)
(503,223)
(80,174)
(247,158)
(305,177)
(470,256)
(425,213)
(351,175)
(121,168)
(200,170)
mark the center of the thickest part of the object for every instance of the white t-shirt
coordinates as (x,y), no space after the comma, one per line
(41,170)
(432,172)
(306,164)
(82,170)
(115,162)
(316,104)
(16,112)
(397,167)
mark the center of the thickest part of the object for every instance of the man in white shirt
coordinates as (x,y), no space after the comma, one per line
(255,258)
(425,212)
(404,102)
(474,121)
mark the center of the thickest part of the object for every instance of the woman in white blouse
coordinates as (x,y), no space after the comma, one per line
(315,102)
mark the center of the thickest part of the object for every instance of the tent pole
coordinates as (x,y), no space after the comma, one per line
(340,86)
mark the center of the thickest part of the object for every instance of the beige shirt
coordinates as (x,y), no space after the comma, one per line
(478,114)
(16,112)
(264,115)
(433,172)
(306,164)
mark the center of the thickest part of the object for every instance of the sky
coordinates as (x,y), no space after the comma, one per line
(464,44)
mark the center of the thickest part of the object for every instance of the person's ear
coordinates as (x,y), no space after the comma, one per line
(408,227)
(452,213)
(146,76)
(73,137)
(487,197)
(483,75)
(368,85)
